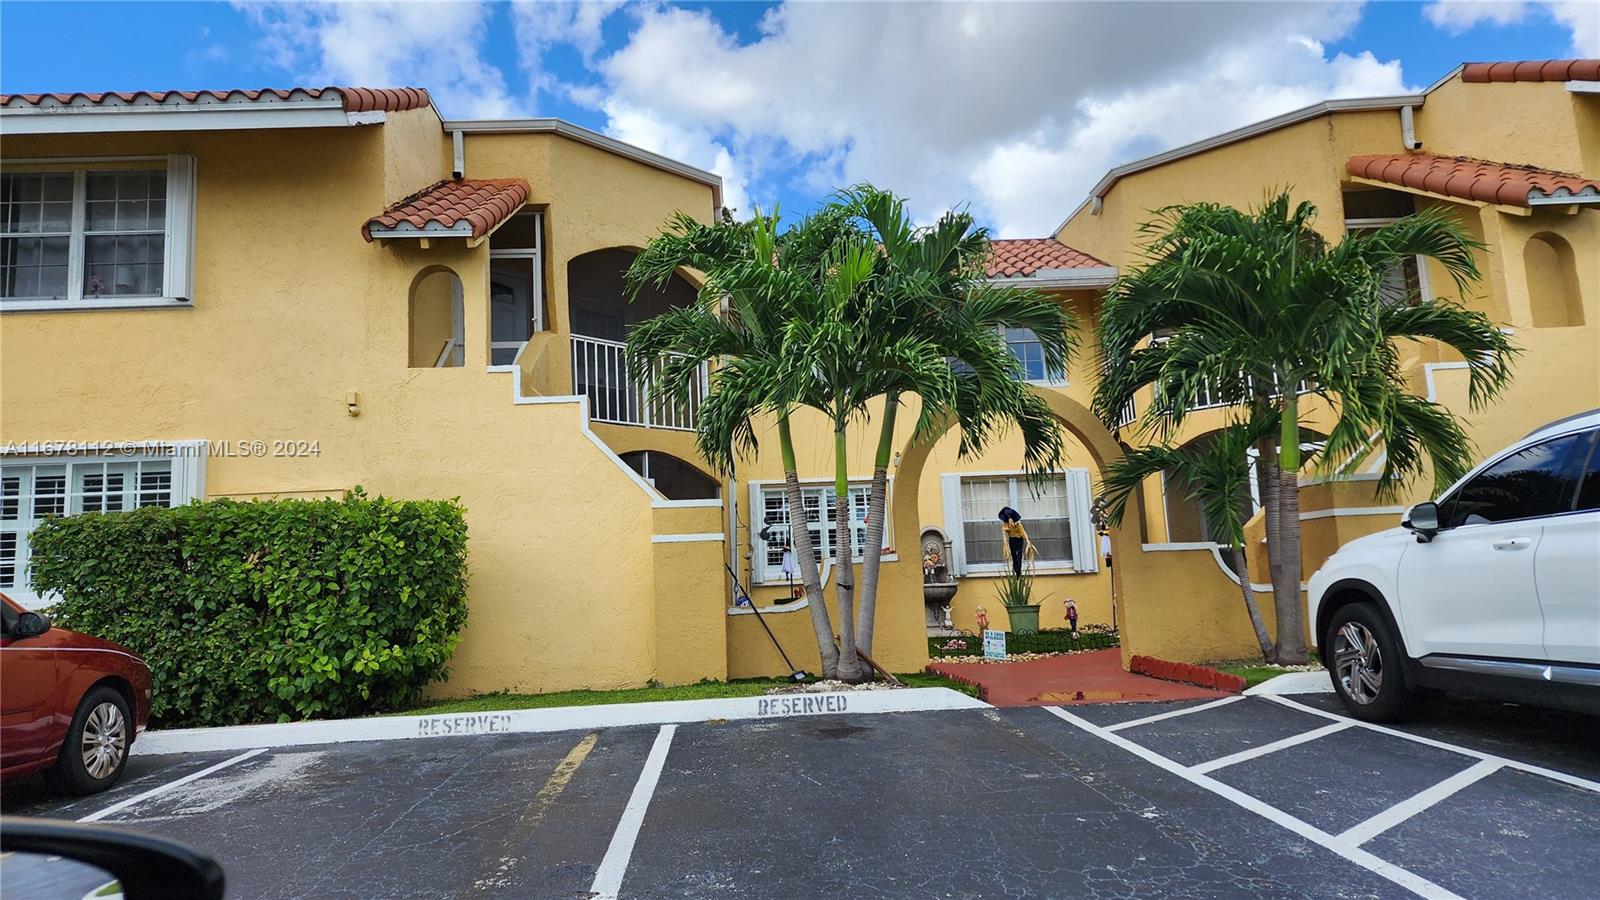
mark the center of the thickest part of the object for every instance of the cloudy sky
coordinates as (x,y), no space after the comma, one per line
(1013,108)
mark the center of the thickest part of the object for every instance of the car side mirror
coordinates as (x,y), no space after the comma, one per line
(1423,519)
(30,624)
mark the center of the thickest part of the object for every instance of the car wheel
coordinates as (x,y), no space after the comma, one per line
(96,748)
(1367,665)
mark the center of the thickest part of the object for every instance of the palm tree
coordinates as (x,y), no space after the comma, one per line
(762,279)
(853,305)
(1255,307)
(1217,471)
(931,294)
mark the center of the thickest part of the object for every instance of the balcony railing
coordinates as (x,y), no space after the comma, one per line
(600,372)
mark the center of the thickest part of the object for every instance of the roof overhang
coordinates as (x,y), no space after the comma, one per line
(1062,279)
(593,139)
(326,112)
(1304,114)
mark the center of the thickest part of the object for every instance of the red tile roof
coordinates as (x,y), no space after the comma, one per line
(1470,179)
(1532,70)
(482,203)
(1013,257)
(355,99)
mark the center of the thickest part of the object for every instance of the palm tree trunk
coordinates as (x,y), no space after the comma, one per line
(1242,565)
(877,510)
(805,554)
(1268,481)
(844,576)
(1286,581)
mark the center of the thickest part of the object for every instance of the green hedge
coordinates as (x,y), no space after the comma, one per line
(270,610)
(1047,640)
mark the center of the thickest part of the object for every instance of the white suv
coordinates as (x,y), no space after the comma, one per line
(1494,589)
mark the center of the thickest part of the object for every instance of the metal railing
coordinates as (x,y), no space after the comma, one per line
(600,372)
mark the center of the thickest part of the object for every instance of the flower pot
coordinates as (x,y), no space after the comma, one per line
(1024,618)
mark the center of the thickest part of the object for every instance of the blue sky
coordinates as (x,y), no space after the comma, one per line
(1013,109)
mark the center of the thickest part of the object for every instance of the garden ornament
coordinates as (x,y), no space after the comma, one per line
(947,622)
(1072,614)
(983,619)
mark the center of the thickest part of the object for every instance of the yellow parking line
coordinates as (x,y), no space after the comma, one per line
(560,778)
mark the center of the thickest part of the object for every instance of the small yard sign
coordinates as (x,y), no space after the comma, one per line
(994,644)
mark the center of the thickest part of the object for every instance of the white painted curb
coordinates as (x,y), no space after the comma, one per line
(565,718)
(1294,683)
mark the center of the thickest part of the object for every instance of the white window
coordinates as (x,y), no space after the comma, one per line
(516,286)
(1055,513)
(818,499)
(97,237)
(35,488)
(1025,346)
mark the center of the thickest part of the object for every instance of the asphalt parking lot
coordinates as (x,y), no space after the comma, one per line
(1244,797)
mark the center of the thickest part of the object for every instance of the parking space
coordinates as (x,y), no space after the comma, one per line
(1248,797)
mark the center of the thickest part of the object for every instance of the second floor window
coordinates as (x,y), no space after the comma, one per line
(1029,352)
(95,237)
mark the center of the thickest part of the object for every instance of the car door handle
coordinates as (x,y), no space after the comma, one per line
(1509,544)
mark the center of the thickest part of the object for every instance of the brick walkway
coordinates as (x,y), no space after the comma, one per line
(1093,677)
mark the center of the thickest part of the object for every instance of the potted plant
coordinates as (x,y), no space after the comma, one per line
(1016,592)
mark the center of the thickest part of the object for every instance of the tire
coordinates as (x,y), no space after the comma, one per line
(96,747)
(1367,665)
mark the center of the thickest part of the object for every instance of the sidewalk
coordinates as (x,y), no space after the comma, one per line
(1093,677)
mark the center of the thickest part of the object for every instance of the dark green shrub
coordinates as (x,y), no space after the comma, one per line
(1047,640)
(269,610)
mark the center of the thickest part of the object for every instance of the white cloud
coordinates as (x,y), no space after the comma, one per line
(1015,108)
(1581,17)
(387,44)
(542,24)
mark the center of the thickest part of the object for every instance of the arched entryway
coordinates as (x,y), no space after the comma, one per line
(437,320)
(601,317)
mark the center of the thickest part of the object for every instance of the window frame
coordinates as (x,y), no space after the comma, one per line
(184,463)
(177,271)
(762,572)
(1047,381)
(1568,499)
(535,255)
(1083,539)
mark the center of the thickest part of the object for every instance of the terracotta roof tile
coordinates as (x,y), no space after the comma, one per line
(1470,179)
(483,203)
(1532,70)
(1014,257)
(355,99)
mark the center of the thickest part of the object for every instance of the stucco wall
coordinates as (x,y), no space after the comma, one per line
(293,311)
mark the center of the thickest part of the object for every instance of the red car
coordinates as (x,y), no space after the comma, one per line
(69,703)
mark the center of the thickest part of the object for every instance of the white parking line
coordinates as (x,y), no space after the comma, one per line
(1416,803)
(1264,749)
(1175,713)
(1562,777)
(162,789)
(608,878)
(1403,877)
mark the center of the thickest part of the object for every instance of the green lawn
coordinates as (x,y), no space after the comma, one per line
(1253,671)
(742,687)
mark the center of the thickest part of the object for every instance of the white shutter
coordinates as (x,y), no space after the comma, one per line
(758,547)
(950,494)
(189,472)
(178,266)
(1085,543)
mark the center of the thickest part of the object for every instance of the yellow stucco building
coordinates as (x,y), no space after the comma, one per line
(291,293)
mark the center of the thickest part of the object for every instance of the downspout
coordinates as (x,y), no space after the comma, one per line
(458,147)
(1408,128)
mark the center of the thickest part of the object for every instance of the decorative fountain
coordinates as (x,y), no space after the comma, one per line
(938,582)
